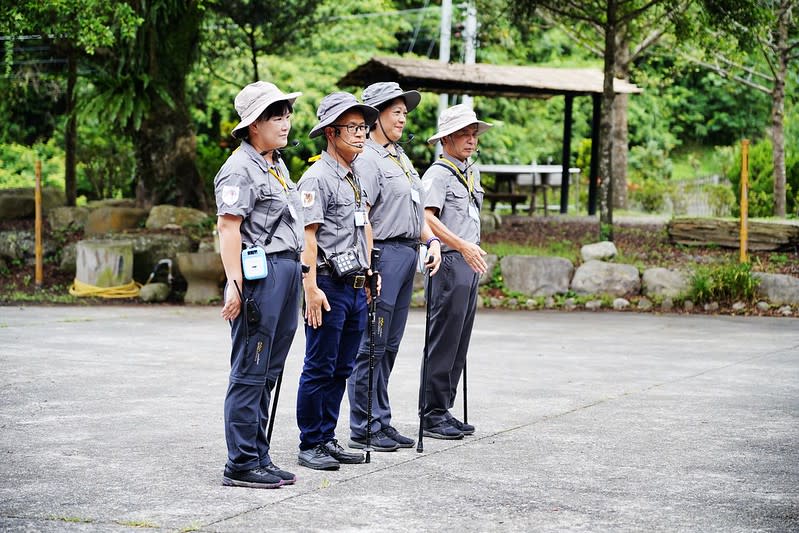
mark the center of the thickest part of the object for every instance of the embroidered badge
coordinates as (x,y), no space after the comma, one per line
(308,198)
(230,194)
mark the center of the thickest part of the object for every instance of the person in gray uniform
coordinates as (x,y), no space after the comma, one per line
(396,213)
(453,197)
(338,241)
(261,234)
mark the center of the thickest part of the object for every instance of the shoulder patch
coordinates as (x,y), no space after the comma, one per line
(308,198)
(230,194)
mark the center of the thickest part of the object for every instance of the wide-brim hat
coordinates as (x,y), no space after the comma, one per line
(455,118)
(254,98)
(385,91)
(334,105)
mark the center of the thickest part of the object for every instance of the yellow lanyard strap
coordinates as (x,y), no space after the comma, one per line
(355,189)
(279,178)
(399,163)
(469,183)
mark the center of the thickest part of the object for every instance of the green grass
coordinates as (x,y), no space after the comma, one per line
(565,248)
(693,161)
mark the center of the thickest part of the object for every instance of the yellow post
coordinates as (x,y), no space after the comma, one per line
(744,199)
(37,196)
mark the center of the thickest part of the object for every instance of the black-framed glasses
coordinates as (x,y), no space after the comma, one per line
(353,128)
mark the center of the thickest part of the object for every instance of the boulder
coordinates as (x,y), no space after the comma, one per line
(20,245)
(661,282)
(536,276)
(491,260)
(162,216)
(600,251)
(621,303)
(150,248)
(489,221)
(778,289)
(62,218)
(154,292)
(598,277)
(20,202)
(104,220)
(69,256)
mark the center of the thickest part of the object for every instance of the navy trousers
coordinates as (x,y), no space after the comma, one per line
(329,358)
(397,268)
(453,303)
(257,357)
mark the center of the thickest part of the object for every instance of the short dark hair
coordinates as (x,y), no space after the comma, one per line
(272,110)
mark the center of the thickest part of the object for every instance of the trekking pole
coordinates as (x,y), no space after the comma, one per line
(274,407)
(372,324)
(423,386)
(465,409)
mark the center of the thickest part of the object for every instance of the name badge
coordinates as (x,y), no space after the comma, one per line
(473,212)
(292,212)
(360,218)
(415,196)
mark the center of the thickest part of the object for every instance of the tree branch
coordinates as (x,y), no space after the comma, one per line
(727,74)
(632,15)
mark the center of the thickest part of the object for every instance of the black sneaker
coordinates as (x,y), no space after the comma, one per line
(286,477)
(317,458)
(399,438)
(466,429)
(257,478)
(380,442)
(341,455)
(443,430)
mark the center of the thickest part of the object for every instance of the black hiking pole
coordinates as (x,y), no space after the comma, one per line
(423,386)
(465,409)
(274,408)
(375,259)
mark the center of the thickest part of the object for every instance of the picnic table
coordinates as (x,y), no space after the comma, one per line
(511,183)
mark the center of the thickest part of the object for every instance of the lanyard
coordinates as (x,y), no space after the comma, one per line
(468,183)
(355,189)
(397,159)
(279,178)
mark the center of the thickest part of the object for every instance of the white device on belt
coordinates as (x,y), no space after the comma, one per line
(253,263)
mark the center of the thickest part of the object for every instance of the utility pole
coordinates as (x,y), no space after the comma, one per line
(443,54)
(469,41)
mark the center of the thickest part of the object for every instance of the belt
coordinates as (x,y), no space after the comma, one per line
(286,255)
(405,241)
(356,281)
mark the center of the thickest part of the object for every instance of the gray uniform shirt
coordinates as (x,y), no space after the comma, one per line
(395,192)
(245,187)
(446,191)
(331,197)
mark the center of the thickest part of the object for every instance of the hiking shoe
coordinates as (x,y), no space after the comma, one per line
(443,430)
(341,455)
(380,442)
(317,458)
(257,478)
(286,477)
(466,429)
(399,438)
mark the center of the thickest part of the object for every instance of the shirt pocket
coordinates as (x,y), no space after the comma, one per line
(459,195)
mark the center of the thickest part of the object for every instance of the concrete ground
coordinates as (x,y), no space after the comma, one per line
(111,420)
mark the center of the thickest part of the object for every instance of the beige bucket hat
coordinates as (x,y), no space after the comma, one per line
(455,118)
(254,98)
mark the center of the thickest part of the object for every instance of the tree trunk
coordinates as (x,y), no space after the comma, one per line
(778,116)
(620,130)
(606,129)
(166,155)
(71,133)
(253,54)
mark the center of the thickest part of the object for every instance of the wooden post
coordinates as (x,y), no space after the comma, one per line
(565,155)
(37,196)
(744,199)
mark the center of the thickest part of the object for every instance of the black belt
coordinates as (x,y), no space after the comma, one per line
(356,281)
(286,255)
(411,243)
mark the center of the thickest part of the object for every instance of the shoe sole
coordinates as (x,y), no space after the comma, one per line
(375,448)
(350,461)
(229,482)
(434,435)
(317,466)
(406,445)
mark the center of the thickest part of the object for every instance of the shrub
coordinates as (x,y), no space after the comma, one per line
(724,283)
(761,179)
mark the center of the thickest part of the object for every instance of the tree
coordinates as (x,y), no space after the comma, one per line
(73,31)
(772,29)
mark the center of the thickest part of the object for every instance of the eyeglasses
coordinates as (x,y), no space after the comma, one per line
(353,128)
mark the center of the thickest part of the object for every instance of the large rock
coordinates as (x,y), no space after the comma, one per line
(598,277)
(778,289)
(491,261)
(20,202)
(69,257)
(536,276)
(62,218)
(662,282)
(104,220)
(149,248)
(20,245)
(169,215)
(601,251)
(489,222)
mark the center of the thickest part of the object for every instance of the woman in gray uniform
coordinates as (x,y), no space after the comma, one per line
(396,212)
(261,236)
